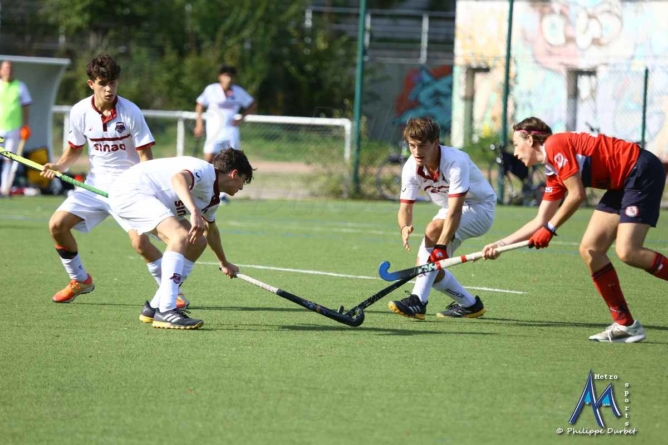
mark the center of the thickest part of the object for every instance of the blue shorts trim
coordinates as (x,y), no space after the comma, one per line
(639,201)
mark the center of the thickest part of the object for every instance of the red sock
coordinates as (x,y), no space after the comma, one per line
(659,267)
(607,284)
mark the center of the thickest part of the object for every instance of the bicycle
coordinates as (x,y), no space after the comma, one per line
(388,175)
(521,185)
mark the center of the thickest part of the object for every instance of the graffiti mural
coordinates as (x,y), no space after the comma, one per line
(602,46)
(426,92)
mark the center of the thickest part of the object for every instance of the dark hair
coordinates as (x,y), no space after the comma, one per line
(423,129)
(227,69)
(535,127)
(230,159)
(103,67)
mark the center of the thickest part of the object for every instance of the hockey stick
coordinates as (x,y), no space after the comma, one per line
(14,167)
(64,178)
(377,296)
(350,320)
(385,274)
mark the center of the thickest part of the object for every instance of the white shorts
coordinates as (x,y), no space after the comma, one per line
(12,139)
(215,147)
(140,211)
(92,208)
(477,219)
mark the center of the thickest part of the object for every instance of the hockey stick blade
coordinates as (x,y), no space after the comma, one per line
(354,320)
(385,274)
(377,296)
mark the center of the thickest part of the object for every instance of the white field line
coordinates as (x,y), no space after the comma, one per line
(348,228)
(338,275)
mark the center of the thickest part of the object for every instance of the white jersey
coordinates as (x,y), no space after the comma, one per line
(222,107)
(154,178)
(457,175)
(113,140)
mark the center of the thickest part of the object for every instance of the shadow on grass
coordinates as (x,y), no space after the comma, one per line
(336,328)
(248,308)
(559,324)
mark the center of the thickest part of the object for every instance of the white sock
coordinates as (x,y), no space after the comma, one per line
(424,281)
(187,268)
(155,301)
(172,273)
(155,269)
(74,268)
(450,286)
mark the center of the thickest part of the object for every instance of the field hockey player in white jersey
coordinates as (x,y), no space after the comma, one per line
(467,201)
(154,197)
(223,101)
(118,138)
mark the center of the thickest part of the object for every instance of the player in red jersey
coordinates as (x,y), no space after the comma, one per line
(634,180)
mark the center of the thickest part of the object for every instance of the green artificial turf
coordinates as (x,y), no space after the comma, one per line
(263,370)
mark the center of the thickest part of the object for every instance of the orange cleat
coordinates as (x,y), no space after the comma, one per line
(181,301)
(73,290)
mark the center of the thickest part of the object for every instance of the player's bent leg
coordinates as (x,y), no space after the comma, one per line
(143,246)
(168,316)
(60,227)
(629,245)
(597,239)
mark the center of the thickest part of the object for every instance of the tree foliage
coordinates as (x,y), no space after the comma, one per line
(169,51)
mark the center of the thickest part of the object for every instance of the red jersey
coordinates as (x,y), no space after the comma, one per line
(603,162)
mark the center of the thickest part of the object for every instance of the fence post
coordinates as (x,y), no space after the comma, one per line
(180,136)
(359,80)
(506,88)
(644,108)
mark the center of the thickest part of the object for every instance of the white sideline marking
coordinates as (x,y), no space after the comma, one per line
(339,275)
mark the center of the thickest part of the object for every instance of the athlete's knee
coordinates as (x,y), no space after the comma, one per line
(140,243)
(588,252)
(58,225)
(195,250)
(626,253)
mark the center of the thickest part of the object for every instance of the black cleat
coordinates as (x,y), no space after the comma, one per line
(147,313)
(410,307)
(456,310)
(175,319)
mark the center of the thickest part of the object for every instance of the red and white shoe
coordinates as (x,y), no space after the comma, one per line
(73,290)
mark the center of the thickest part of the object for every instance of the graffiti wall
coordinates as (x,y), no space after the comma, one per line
(426,92)
(579,65)
(404,91)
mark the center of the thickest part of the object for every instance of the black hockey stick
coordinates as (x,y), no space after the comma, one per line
(385,274)
(375,297)
(349,319)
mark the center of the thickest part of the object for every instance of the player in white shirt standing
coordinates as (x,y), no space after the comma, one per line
(118,138)
(154,197)
(223,100)
(467,203)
